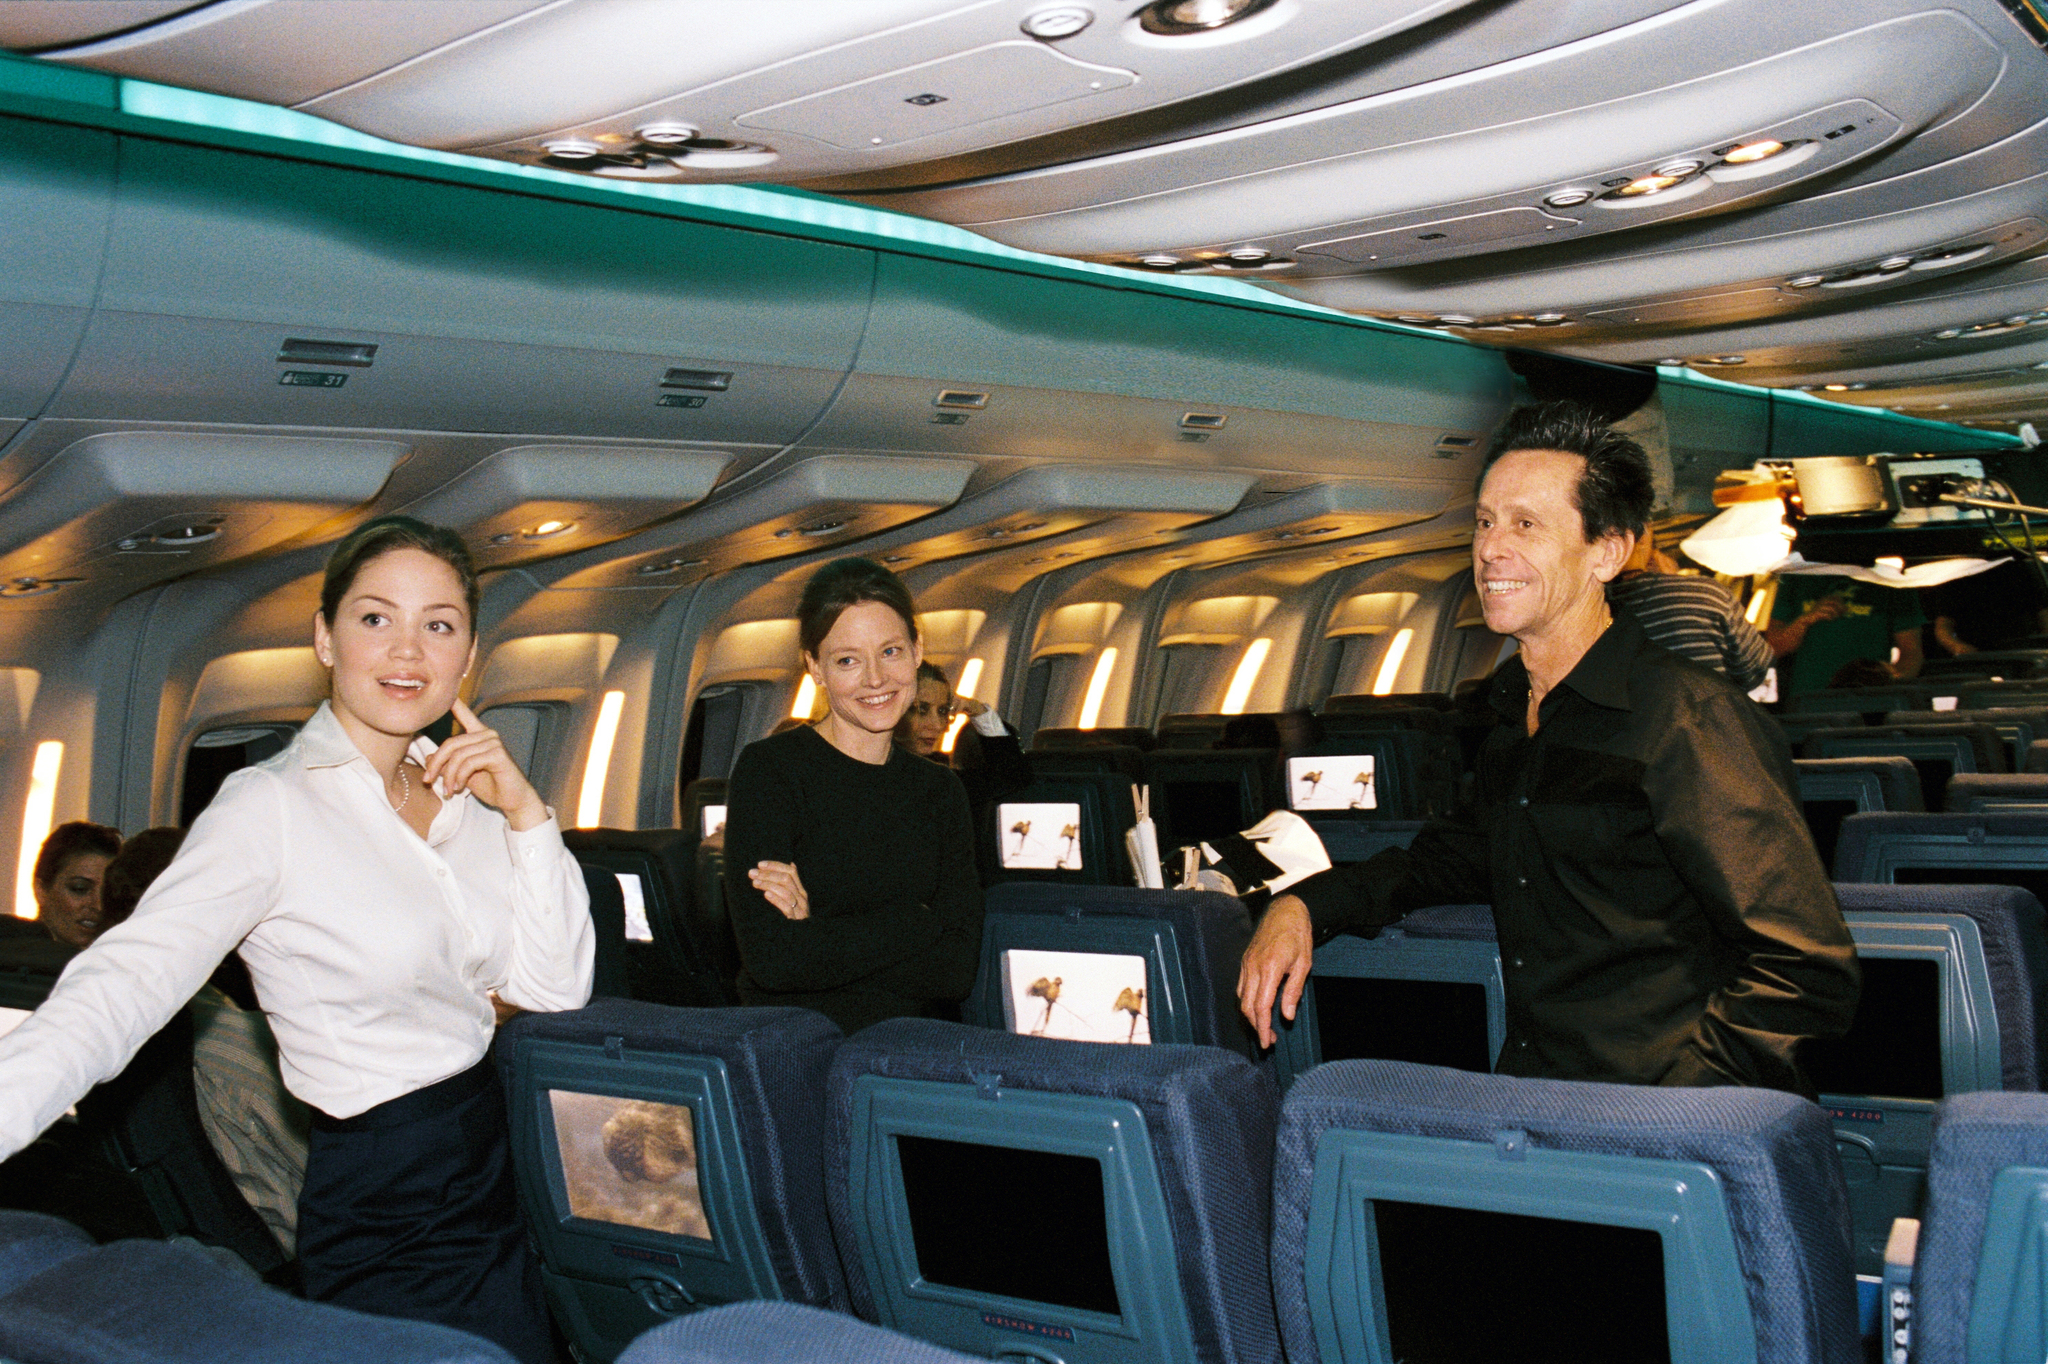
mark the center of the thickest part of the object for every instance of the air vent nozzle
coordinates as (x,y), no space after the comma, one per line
(297,350)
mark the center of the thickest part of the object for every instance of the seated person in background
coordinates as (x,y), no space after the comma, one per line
(259,1131)
(1821,622)
(1693,617)
(1860,672)
(1995,609)
(66,880)
(849,861)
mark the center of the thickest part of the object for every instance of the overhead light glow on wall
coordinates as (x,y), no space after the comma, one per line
(590,803)
(1246,674)
(970,678)
(1755,612)
(806,697)
(953,733)
(36,819)
(1091,706)
(1390,666)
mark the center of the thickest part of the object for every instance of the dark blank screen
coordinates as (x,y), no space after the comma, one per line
(1202,810)
(1471,1287)
(1893,1049)
(1824,819)
(1934,775)
(1022,1224)
(1429,1022)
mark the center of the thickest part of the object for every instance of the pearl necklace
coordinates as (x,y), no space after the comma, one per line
(408,790)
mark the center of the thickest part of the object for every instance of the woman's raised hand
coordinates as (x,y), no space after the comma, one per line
(476,761)
(783,888)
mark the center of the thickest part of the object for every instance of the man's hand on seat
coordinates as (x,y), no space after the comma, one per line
(1276,963)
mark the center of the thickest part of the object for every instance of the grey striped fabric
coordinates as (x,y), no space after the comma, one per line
(1695,618)
(258,1129)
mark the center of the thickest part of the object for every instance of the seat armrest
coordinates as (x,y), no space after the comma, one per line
(1895,1310)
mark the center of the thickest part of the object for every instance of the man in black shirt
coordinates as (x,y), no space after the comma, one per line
(1663,916)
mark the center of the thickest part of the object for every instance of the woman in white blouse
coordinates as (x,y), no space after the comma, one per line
(382,891)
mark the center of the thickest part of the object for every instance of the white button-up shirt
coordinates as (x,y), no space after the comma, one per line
(373,951)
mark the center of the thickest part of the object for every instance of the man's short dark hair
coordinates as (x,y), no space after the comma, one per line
(1616,492)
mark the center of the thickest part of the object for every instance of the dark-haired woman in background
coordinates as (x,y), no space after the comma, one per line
(986,757)
(66,880)
(849,861)
(380,890)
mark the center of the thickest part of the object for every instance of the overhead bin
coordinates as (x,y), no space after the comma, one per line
(1864,239)
(113,513)
(992,362)
(1752,100)
(269,291)
(816,503)
(56,196)
(669,89)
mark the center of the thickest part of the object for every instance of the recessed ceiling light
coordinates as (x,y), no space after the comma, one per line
(1178,18)
(1061,21)
(1752,151)
(666,134)
(571,149)
(546,529)
(1644,186)
(1803,281)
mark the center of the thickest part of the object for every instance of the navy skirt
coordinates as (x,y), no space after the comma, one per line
(409,1210)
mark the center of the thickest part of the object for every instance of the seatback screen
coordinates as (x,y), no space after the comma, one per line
(1019,1224)
(1429,1022)
(1472,1287)
(1893,1048)
(1081,996)
(1824,820)
(1333,783)
(1202,810)
(630,1162)
(2034,879)
(1040,837)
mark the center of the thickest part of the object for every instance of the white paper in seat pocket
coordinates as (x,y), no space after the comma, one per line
(1332,783)
(630,891)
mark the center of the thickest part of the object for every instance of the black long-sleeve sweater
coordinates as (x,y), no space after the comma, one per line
(886,855)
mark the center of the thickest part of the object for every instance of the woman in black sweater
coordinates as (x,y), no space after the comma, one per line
(849,861)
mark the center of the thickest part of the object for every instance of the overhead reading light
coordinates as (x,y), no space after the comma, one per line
(546,529)
(572,149)
(1061,21)
(1646,185)
(33,587)
(1569,198)
(1752,151)
(1178,18)
(666,134)
(665,566)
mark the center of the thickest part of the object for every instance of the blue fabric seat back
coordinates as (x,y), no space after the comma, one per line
(759,1143)
(1796,725)
(1861,700)
(1209,1118)
(1104,806)
(1970,795)
(30,1242)
(1965,1227)
(781,1333)
(1993,695)
(153,1302)
(684,966)
(1196,1002)
(2017,726)
(609,972)
(1358,703)
(1998,848)
(1877,781)
(1130,736)
(2011,923)
(1124,760)
(1349,841)
(2014,664)
(1184,732)
(1773,1153)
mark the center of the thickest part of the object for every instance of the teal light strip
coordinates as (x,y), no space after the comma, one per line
(773,207)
